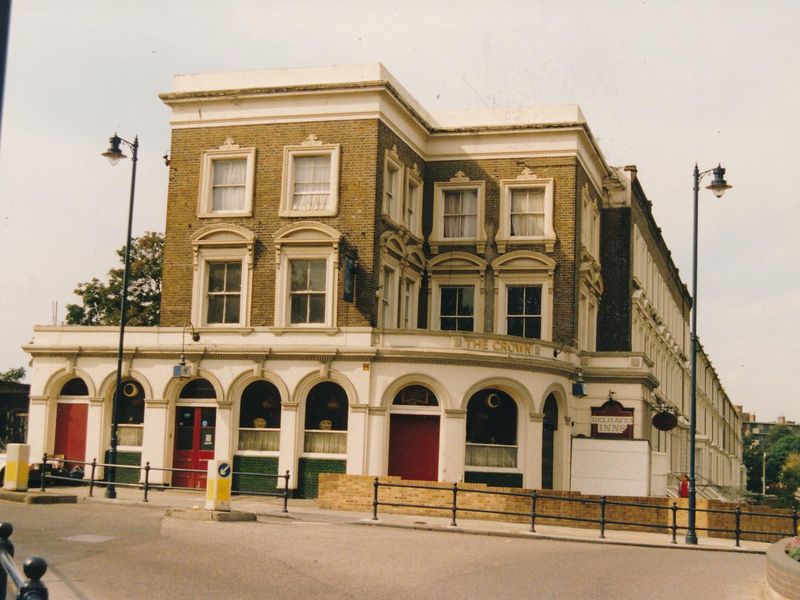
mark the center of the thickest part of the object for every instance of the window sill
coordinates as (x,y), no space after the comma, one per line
(480,245)
(301,329)
(222,214)
(265,453)
(328,212)
(548,241)
(214,328)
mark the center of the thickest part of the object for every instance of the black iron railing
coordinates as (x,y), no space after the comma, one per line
(85,473)
(30,586)
(600,516)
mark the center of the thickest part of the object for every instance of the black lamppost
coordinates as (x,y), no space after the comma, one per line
(114,154)
(718,186)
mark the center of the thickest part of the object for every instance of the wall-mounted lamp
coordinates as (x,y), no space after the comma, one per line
(579,387)
(182,370)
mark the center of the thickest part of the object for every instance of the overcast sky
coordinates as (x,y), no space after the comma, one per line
(662,84)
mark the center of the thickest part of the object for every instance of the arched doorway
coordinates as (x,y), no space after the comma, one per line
(414,434)
(195,423)
(72,409)
(549,427)
(491,453)
(324,436)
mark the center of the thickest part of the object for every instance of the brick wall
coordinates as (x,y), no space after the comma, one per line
(254,483)
(356,217)
(309,470)
(783,573)
(355,493)
(614,316)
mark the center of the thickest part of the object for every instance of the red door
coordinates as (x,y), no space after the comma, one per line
(71,431)
(414,447)
(194,444)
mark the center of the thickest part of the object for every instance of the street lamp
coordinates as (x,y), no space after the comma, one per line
(114,154)
(718,187)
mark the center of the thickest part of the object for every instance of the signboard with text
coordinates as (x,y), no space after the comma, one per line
(612,420)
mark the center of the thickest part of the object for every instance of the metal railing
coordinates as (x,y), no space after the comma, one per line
(144,483)
(601,517)
(30,588)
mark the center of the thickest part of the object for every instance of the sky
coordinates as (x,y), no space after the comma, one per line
(663,85)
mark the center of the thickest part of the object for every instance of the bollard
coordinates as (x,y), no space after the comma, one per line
(375,500)
(218,485)
(33,589)
(5,546)
(17,467)
(533,511)
(602,517)
(455,507)
(146,479)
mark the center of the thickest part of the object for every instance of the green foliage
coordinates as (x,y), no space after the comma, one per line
(13,375)
(100,302)
(782,445)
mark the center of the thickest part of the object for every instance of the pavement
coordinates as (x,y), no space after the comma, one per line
(176,502)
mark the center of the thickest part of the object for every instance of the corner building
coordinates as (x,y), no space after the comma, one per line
(381,290)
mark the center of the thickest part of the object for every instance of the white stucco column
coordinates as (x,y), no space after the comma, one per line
(454,449)
(532,475)
(376,440)
(356,439)
(223,433)
(95,428)
(156,439)
(563,456)
(290,443)
(39,426)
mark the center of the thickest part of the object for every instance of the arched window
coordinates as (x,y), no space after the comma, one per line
(198,388)
(491,430)
(130,413)
(415,395)
(74,387)
(260,417)
(326,419)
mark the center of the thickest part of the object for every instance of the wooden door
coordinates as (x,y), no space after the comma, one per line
(71,431)
(414,447)
(194,445)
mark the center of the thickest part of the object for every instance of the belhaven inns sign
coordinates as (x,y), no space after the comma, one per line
(612,420)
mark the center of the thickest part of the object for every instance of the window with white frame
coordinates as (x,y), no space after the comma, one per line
(526,212)
(524,283)
(325,430)
(307,291)
(412,214)
(392,205)
(388,298)
(305,280)
(226,185)
(409,288)
(524,311)
(310,180)
(458,213)
(224,293)
(457,308)
(223,259)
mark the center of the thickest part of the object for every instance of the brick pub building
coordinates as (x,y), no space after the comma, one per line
(383,290)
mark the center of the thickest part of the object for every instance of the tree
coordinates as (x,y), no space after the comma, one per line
(13,375)
(100,302)
(790,476)
(780,444)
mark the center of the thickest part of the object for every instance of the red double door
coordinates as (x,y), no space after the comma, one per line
(194,444)
(414,447)
(71,431)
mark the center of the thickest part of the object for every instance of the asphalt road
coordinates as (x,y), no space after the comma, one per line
(102,551)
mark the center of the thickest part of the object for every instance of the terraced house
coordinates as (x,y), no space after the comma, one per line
(382,290)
